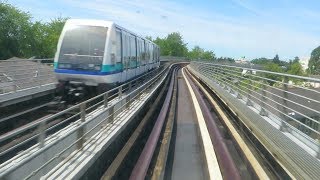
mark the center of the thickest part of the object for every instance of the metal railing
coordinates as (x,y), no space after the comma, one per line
(112,102)
(287,99)
(21,74)
(173,58)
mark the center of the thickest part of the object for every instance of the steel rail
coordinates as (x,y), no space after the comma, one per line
(140,169)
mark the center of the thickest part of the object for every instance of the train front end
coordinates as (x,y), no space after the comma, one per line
(81,51)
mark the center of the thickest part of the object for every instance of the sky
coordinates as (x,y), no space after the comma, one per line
(230,28)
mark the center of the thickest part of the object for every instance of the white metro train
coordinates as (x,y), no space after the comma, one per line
(101,53)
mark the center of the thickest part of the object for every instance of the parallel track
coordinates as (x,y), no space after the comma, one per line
(31,116)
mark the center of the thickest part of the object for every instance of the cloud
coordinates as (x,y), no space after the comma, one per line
(231,34)
(259,33)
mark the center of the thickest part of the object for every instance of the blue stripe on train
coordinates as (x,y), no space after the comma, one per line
(98,73)
(106,70)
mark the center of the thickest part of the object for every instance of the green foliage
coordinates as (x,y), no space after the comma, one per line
(225,59)
(296,69)
(276,59)
(261,61)
(172,45)
(201,54)
(21,37)
(51,34)
(15,28)
(149,38)
(314,63)
(296,59)
(274,68)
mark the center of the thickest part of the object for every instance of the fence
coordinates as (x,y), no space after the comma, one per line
(288,99)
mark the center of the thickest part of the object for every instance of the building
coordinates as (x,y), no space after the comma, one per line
(242,60)
(304,61)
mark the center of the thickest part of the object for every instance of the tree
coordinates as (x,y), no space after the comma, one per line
(261,61)
(208,55)
(276,59)
(164,50)
(296,59)
(51,35)
(22,38)
(274,68)
(199,53)
(149,38)
(314,62)
(296,69)
(195,53)
(172,45)
(15,27)
(225,59)
(176,45)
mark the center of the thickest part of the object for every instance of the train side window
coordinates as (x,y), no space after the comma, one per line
(143,52)
(133,52)
(125,50)
(138,42)
(119,47)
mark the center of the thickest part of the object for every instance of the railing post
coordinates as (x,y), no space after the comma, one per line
(263,111)
(81,129)
(130,86)
(284,126)
(140,94)
(42,133)
(128,101)
(105,99)
(14,87)
(318,153)
(111,114)
(238,85)
(249,103)
(120,92)
(38,72)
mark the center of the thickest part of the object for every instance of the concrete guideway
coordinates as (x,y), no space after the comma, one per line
(26,94)
(24,79)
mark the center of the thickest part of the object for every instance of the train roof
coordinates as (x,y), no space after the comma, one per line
(104,23)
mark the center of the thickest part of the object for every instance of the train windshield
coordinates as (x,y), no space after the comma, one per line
(83,48)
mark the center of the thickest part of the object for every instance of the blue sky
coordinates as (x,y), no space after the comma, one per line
(233,28)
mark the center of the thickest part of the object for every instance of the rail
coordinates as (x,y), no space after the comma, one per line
(289,101)
(140,169)
(81,111)
(21,74)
